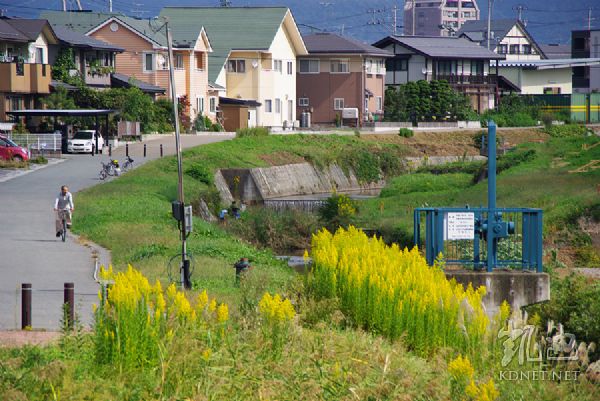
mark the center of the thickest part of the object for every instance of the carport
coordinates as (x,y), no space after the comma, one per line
(97,113)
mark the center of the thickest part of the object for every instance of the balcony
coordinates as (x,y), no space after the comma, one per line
(468,79)
(24,78)
(93,79)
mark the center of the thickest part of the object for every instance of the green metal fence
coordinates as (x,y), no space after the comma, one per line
(582,107)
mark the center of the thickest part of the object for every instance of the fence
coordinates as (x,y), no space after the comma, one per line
(581,107)
(38,142)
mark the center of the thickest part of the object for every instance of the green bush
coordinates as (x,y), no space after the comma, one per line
(406,132)
(565,131)
(547,119)
(39,160)
(216,127)
(254,131)
(337,211)
(200,172)
(200,123)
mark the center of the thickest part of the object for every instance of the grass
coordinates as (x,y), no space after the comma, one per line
(543,182)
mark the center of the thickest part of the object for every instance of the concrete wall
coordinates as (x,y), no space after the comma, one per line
(264,183)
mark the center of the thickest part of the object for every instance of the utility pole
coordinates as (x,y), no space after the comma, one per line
(79,5)
(520,9)
(64,5)
(225,3)
(489,23)
(414,13)
(589,18)
(395,18)
(185,263)
(110,6)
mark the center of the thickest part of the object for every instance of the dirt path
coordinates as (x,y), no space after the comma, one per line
(13,338)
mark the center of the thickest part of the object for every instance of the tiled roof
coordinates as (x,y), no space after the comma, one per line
(228,28)
(76,39)
(122,80)
(553,51)
(84,22)
(31,28)
(442,47)
(9,33)
(332,43)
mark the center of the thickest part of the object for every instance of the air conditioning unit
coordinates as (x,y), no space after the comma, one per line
(350,112)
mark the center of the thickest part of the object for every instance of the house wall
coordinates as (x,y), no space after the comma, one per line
(533,82)
(198,78)
(42,43)
(516,37)
(595,53)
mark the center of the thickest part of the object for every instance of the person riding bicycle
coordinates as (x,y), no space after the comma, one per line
(63,204)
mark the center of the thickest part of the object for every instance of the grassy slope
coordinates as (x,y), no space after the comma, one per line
(543,183)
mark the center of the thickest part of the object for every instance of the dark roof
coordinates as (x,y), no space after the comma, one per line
(124,81)
(441,47)
(332,43)
(84,22)
(59,84)
(9,33)
(239,102)
(25,30)
(554,50)
(76,39)
(476,31)
(72,112)
(228,28)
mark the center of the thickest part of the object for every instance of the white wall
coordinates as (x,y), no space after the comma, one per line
(533,82)
(516,37)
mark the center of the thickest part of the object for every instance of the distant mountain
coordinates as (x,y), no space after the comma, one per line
(549,21)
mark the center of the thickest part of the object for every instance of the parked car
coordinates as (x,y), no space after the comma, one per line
(11,151)
(84,141)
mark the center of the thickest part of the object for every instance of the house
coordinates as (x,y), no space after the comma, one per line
(586,45)
(507,36)
(438,17)
(24,71)
(464,64)
(94,60)
(340,73)
(253,59)
(144,61)
(556,50)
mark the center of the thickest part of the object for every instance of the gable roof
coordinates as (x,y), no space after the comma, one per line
(87,22)
(229,28)
(9,33)
(555,50)
(29,29)
(476,30)
(448,47)
(71,38)
(328,43)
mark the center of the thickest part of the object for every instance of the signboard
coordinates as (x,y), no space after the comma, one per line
(459,225)
(350,112)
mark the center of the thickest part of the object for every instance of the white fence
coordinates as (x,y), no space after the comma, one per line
(38,142)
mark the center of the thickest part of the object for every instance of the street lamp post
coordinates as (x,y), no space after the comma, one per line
(489,23)
(185,263)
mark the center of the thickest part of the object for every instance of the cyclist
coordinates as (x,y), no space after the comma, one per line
(63,204)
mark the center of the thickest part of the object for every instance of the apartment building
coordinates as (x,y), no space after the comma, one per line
(586,45)
(438,17)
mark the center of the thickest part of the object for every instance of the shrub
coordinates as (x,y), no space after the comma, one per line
(547,119)
(406,132)
(216,127)
(200,172)
(39,160)
(566,131)
(200,123)
(254,131)
(337,211)
(393,292)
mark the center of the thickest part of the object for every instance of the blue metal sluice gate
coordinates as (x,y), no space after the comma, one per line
(482,237)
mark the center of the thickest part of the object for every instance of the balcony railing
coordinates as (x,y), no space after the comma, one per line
(25,78)
(467,79)
(97,79)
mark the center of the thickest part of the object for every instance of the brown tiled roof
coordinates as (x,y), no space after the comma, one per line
(332,43)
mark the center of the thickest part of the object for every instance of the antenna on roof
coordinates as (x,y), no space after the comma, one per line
(225,3)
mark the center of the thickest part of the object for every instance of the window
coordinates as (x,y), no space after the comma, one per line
(396,64)
(526,49)
(268,106)
(15,103)
(467,14)
(277,106)
(237,66)
(446,67)
(379,103)
(477,67)
(212,104)
(39,55)
(148,62)
(339,66)
(290,68)
(277,66)
(199,61)
(179,61)
(514,49)
(309,66)
(552,90)
(200,104)
(303,102)
(502,49)
(338,103)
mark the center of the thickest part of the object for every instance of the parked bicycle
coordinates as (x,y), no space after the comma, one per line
(109,169)
(128,164)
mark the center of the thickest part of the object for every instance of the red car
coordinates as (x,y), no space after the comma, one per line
(11,151)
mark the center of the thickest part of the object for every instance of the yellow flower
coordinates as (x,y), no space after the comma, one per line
(201,300)
(222,313)
(461,368)
(212,306)
(206,354)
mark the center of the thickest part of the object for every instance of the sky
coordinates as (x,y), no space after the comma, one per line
(549,21)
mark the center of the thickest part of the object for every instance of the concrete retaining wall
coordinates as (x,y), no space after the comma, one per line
(259,184)
(416,162)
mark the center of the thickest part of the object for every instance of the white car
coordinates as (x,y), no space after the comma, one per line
(84,141)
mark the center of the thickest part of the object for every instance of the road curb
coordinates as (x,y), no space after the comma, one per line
(9,174)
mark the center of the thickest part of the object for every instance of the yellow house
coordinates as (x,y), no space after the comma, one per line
(253,59)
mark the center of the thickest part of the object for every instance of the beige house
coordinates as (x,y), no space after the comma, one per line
(145,56)
(254,59)
(24,71)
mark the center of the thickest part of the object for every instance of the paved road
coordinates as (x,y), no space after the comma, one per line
(29,250)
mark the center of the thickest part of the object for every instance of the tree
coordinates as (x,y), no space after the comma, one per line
(184,113)
(65,61)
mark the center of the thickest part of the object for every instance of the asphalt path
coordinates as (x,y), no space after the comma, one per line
(29,250)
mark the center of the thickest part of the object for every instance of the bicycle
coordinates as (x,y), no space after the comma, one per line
(63,213)
(109,168)
(128,164)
